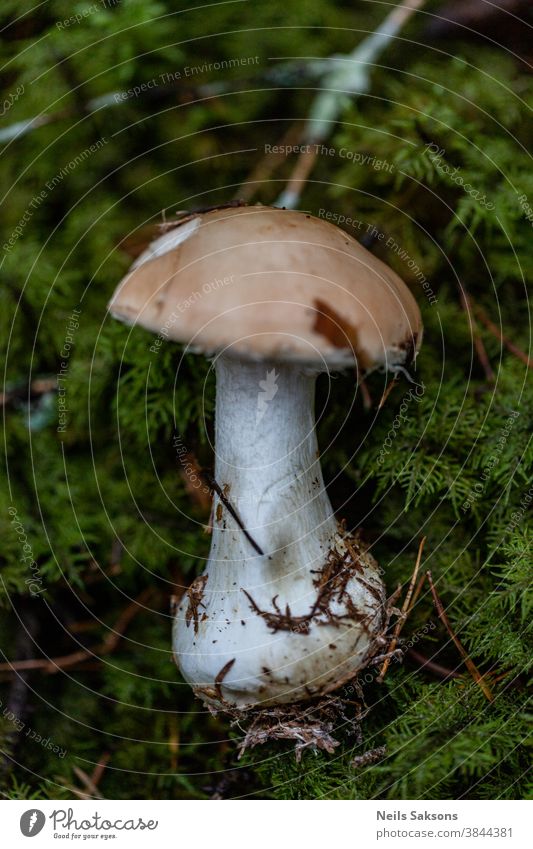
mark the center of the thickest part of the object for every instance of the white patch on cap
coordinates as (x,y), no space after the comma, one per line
(167,242)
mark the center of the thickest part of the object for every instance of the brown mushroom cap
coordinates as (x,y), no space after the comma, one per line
(261,282)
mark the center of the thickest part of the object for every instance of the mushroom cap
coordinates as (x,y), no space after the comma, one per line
(261,282)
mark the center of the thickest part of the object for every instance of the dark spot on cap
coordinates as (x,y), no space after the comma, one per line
(337,330)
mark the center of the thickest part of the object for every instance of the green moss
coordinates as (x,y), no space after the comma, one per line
(458,466)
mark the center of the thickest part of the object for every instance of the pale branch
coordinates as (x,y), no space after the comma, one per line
(349,77)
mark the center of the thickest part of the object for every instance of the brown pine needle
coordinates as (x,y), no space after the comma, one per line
(174,743)
(99,769)
(421,582)
(394,382)
(88,782)
(406,609)
(469,663)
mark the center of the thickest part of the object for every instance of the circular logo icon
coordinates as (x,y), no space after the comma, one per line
(32,822)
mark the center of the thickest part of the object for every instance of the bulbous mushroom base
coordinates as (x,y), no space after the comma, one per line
(288,640)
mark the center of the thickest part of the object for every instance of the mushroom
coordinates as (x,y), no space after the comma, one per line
(289,606)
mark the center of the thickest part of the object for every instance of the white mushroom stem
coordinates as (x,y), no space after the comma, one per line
(270,627)
(267,462)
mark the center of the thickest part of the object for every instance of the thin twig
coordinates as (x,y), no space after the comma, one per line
(269,163)
(469,663)
(201,495)
(421,581)
(174,743)
(365,395)
(299,176)
(437,668)
(406,609)
(494,329)
(17,699)
(54,664)
(478,341)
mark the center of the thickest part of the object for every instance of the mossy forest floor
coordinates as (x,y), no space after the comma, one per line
(100,526)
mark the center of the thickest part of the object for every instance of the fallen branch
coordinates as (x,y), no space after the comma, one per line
(350,77)
(388,389)
(267,165)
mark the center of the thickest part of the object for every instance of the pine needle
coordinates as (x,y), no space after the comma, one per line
(469,663)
